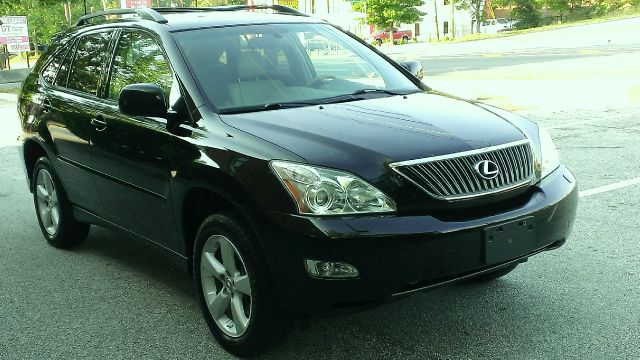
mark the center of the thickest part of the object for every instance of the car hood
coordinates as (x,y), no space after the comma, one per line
(365,136)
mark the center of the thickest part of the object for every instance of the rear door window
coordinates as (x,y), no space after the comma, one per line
(88,64)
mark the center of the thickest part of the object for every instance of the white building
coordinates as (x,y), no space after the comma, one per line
(426,29)
(339,12)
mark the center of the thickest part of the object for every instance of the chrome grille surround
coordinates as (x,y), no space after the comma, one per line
(453,177)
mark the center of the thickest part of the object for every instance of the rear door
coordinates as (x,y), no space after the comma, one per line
(132,154)
(70,102)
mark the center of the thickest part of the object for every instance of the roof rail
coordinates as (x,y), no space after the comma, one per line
(143,13)
(277,8)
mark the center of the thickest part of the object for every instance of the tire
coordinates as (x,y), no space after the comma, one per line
(53,209)
(379,42)
(405,40)
(235,289)
(494,274)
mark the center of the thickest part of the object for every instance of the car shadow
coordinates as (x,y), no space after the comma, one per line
(137,256)
(437,324)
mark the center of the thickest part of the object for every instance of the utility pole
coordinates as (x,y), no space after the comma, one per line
(435,15)
(452,26)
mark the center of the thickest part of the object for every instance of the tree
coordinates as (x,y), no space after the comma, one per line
(476,8)
(527,14)
(390,14)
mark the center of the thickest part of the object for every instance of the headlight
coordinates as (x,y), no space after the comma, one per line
(321,191)
(549,153)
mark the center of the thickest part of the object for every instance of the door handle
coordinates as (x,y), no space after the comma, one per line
(99,123)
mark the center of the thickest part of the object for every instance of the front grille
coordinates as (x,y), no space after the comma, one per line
(455,177)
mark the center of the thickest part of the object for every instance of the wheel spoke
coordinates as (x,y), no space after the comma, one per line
(47,182)
(55,217)
(242,284)
(219,305)
(46,217)
(237,312)
(228,256)
(211,266)
(41,192)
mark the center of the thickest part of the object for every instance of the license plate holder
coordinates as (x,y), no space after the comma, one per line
(509,240)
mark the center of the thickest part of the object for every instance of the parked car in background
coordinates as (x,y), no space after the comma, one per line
(493,26)
(402,36)
(41,47)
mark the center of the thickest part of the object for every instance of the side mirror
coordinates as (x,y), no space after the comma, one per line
(142,100)
(414,67)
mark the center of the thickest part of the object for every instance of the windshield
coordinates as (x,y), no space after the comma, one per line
(257,66)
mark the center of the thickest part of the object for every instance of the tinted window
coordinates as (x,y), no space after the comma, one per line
(88,62)
(49,73)
(139,59)
(63,73)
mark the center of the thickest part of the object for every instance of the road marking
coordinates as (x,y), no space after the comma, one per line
(590,52)
(610,187)
(569,124)
(492,55)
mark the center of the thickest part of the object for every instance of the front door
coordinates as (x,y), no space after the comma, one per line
(132,154)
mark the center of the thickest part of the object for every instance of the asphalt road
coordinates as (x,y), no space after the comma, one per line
(442,64)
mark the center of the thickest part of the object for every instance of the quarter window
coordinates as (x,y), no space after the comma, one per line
(49,73)
(88,63)
(139,59)
(63,73)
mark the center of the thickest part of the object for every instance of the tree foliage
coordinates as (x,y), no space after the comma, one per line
(47,17)
(476,8)
(527,14)
(387,14)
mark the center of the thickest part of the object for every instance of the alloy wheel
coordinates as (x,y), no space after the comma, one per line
(226,285)
(47,202)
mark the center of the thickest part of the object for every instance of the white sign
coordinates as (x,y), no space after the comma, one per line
(15,33)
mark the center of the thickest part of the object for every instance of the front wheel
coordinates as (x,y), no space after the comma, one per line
(379,42)
(234,288)
(405,40)
(54,211)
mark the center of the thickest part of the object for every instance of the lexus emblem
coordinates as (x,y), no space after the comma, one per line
(487,169)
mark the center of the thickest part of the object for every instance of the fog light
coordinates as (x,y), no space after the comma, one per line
(330,269)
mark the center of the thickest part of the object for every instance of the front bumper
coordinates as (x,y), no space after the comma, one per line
(397,255)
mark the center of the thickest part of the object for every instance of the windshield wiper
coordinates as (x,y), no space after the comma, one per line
(271,106)
(289,105)
(376,91)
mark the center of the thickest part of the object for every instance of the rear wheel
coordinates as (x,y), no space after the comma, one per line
(234,288)
(54,211)
(494,274)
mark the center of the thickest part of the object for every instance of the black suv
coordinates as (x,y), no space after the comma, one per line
(290,179)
